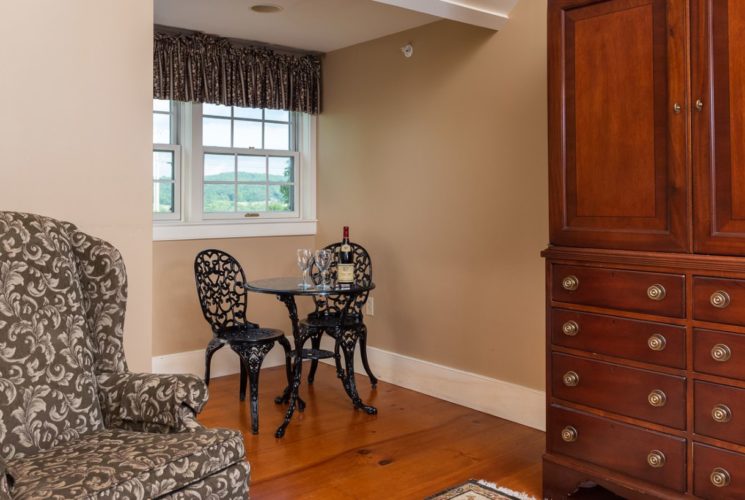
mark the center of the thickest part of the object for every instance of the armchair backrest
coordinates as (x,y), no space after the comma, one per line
(333,304)
(62,301)
(221,289)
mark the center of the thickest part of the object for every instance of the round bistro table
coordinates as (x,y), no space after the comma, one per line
(286,289)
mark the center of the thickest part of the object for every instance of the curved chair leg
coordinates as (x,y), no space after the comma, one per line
(214,346)
(315,341)
(348,340)
(363,354)
(244,379)
(252,355)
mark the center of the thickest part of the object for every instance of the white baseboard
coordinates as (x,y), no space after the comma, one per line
(496,397)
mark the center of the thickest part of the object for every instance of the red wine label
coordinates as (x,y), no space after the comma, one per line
(346,248)
(345,273)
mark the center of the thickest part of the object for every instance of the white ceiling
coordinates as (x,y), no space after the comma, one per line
(324,25)
(318,25)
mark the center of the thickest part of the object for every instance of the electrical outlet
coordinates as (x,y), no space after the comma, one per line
(370,306)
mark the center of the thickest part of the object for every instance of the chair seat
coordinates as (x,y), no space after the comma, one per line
(329,321)
(125,464)
(249,334)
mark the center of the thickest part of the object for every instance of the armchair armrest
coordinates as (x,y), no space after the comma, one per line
(6,482)
(151,402)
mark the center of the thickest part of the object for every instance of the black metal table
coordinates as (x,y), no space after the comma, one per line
(286,289)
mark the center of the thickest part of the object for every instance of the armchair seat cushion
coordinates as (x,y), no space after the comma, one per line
(124,464)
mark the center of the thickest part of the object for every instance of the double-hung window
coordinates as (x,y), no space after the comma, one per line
(221,171)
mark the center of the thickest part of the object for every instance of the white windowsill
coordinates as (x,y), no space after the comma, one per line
(167,231)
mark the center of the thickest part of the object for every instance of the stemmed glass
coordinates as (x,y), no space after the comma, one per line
(323,261)
(304,261)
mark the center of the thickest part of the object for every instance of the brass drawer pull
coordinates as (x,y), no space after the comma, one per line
(656,292)
(656,459)
(721,413)
(570,328)
(657,398)
(720,299)
(720,477)
(657,342)
(721,353)
(570,283)
(571,379)
(569,434)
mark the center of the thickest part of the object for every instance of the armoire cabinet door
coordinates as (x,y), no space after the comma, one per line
(718,93)
(617,124)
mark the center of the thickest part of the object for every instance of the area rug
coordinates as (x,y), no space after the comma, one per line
(479,490)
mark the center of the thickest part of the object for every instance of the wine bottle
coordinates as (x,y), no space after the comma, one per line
(345,268)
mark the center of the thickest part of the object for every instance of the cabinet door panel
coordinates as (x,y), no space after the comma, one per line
(719,125)
(617,147)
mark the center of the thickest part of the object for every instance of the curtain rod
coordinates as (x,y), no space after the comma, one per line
(241,42)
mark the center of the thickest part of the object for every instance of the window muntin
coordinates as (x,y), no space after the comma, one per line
(249,162)
(166,165)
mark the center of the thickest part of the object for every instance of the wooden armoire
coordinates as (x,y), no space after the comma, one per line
(645,272)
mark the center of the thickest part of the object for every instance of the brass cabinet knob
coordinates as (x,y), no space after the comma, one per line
(569,434)
(570,379)
(570,283)
(721,413)
(570,328)
(720,477)
(699,105)
(721,353)
(657,342)
(656,292)
(719,299)
(677,108)
(657,398)
(656,459)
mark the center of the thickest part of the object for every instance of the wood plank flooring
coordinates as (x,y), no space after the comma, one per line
(416,445)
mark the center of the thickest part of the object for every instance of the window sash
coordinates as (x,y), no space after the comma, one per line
(176,151)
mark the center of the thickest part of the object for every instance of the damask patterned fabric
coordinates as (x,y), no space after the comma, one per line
(48,392)
(124,464)
(73,421)
(151,398)
(205,68)
(229,483)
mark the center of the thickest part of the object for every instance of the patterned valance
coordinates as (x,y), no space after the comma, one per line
(205,68)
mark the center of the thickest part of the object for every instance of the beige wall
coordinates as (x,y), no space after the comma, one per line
(438,164)
(75,129)
(178,324)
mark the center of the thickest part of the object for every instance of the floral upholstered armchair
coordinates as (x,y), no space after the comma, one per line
(74,422)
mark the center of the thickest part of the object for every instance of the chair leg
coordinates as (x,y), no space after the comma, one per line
(213,346)
(244,379)
(363,354)
(252,356)
(315,342)
(253,376)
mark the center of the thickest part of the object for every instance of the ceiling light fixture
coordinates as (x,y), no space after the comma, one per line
(266,8)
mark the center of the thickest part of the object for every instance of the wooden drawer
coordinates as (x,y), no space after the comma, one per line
(719,353)
(727,294)
(616,446)
(711,469)
(619,389)
(626,338)
(619,289)
(728,400)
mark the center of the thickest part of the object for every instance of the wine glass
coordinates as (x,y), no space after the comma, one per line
(323,261)
(304,257)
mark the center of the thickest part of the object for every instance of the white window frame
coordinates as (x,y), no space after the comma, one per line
(191,223)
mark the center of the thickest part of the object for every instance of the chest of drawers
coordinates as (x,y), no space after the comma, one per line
(645,374)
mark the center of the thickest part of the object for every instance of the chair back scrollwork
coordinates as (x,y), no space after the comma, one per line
(333,304)
(221,287)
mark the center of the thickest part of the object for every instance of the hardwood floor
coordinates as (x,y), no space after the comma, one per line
(416,445)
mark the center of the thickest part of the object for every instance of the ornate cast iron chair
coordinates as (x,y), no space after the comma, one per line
(329,317)
(222,295)
(74,421)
